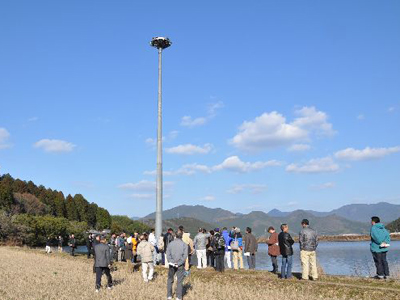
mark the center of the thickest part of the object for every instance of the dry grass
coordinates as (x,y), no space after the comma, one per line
(33,275)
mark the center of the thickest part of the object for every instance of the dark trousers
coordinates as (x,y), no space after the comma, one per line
(251,261)
(89,251)
(99,273)
(274,261)
(210,258)
(180,274)
(72,251)
(219,261)
(382,267)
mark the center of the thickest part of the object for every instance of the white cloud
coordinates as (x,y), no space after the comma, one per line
(368,153)
(4,136)
(55,146)
(253,188)
(299,147)
(33,119)
(391,109)
(188,121)
(208,198)
(324,186)
(319,165)
(313,120)
(189,149)
(234,164)
(143,185)
(271,130)
(267,131)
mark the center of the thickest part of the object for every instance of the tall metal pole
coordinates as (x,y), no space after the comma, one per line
(159,184)
(160,43)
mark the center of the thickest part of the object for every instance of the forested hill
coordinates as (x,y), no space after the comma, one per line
(22,197)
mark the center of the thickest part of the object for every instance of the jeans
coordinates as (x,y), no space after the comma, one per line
(227,258)
(308,258)
(201,259)
(210,258)
(147,266)
(382,267)
(286,269)
(274,261)
(251,261)
(180,274)
(99,273)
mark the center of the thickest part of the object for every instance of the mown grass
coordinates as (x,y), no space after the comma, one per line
(33,275)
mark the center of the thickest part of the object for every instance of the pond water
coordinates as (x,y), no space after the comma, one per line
(335,258)
(338,258)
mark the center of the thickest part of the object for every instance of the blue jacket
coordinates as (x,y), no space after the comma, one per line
(228,240)
(379,234)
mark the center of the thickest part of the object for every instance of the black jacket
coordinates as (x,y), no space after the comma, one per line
(168,238)
(285,244)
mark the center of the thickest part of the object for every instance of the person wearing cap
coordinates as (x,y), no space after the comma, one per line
(308,240)
(237,249)
(102,263)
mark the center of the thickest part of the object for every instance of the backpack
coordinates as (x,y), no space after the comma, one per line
(220,242)
(235,244)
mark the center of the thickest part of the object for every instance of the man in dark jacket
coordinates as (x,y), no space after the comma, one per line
(72,244)
(250,248)
(273,248)
(308,240)
(219,250)
(102,263)
(285,246)
(89,245)
(168,238)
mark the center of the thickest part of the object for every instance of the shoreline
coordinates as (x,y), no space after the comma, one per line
(339,238)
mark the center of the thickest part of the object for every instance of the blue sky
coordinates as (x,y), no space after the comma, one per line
(267,104)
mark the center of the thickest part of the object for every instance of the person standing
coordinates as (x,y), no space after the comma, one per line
(102,258)
(168,238)
(89,245)
(250,248)
(286,249)
(188,241)
(380,243)
(228,250)
(308,240)
(219,252)
(177,252)
(237,249)
(273,248)
(48,245)
(210,250)
(200,244)
(153,241)
(60,241)
(72,244)
(145,249)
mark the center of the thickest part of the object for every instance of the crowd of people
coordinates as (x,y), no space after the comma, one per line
(218,249)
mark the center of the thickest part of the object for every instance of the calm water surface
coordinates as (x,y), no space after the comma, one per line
(337,258)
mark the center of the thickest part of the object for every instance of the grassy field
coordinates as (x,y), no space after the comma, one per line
(33,275)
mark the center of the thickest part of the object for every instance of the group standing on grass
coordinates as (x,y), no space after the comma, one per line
(217,248)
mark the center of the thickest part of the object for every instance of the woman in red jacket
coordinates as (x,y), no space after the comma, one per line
(273,248)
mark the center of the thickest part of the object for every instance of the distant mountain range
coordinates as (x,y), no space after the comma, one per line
(356,212)
(353,218)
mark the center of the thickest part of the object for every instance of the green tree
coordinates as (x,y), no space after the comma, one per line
(72,212)
(6,196)
(82,207)
(103,219)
